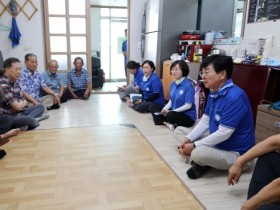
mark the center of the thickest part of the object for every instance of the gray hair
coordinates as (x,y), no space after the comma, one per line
(52,60)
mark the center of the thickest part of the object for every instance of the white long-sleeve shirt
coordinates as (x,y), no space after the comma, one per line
(222,134)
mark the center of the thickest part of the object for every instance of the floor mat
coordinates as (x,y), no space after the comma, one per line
(97,167)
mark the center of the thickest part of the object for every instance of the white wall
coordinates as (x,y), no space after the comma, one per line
(95,29)
(33,39)
(134,35)
(32,36)
(262,29)
(269,30)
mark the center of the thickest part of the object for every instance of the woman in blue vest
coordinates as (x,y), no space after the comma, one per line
(135,69)
(151,89)
(180,110)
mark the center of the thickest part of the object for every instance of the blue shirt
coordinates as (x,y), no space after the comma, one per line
(31,83)
(231,108)
(151,86)
(138,77)
(124,49)
(181,94)
(78,82)
(53,81)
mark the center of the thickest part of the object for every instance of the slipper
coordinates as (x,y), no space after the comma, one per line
(197,171)
(54,106)
(2,153)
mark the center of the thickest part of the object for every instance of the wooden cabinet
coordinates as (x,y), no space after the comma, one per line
(166,78)
(253,79)
(267,123)
(258,82)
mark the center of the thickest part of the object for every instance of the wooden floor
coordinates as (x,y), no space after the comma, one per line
(96,167)
(104,110)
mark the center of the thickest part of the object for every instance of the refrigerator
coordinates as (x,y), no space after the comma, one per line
(163,22)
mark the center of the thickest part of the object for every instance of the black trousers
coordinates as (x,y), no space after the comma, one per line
(266,170)
(143,107)
(175,118)
(67,95)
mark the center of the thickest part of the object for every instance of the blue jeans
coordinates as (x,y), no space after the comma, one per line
(27,117)
(34,111)
(6,124)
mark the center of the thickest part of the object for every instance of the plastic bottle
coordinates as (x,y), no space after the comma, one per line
(200,55)
(196,52)
(183,57)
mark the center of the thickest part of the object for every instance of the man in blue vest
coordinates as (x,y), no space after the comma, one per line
(228,118)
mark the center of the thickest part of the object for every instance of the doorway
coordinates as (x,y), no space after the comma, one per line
(108,25)
(113,24)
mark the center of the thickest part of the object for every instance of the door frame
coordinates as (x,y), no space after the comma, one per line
(87,35)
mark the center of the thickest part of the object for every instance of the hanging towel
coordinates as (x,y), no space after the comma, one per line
(14,34)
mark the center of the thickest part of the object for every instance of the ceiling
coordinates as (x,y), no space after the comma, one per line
(111,3)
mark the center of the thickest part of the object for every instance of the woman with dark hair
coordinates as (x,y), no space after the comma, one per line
(137,72)
(180,110)
(151,89)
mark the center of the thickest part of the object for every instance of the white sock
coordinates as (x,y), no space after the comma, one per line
(169,125)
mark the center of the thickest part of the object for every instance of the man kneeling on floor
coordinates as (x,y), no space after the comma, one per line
(228,118)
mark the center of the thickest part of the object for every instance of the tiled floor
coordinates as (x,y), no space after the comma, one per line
(108,87)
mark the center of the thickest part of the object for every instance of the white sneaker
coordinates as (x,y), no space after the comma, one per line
(169,125)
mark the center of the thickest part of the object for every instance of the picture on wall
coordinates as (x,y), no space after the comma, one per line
(263,10)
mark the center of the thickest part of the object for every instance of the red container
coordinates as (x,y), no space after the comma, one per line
(190,37)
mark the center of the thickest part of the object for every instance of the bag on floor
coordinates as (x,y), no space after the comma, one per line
(275,105)
(199,99)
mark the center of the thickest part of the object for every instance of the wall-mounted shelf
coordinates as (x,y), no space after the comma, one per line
(20,8)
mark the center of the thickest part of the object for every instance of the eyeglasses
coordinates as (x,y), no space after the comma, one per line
(204,73)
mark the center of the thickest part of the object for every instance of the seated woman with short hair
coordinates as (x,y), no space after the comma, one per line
(151,89)
(180,110)
(135,69)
